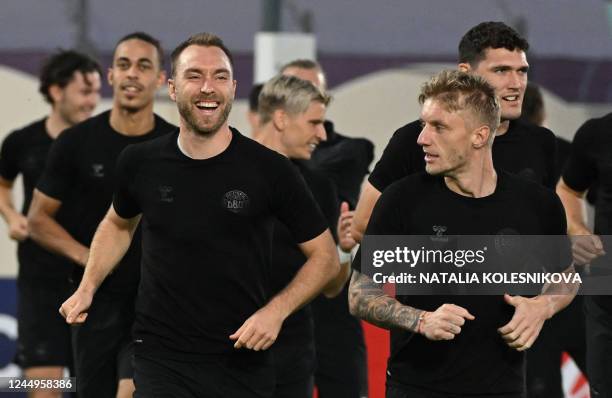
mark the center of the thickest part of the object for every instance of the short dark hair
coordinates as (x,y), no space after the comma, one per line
(533,105)
(59,70)
(146,38)
(489,35)
(200,39)
(254,96)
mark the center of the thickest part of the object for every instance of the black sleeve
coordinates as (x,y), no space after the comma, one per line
(9,154)
(581,170)
(327,199)
(58,178)
(551,161)
(124,199)
(385,219)
(396,161)
(293,204)
(558,230)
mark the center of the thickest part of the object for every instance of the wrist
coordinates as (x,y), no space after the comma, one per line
(421,322)
(548,305)
(278,307)
(345,257)
(577,230)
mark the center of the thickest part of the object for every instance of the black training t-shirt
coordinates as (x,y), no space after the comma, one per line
(24,152)
(287,257)
(345,160)
(525,149)
(80,172)
(477,361)
(207,238)
(590,167)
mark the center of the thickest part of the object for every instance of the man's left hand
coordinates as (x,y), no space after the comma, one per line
(525,326)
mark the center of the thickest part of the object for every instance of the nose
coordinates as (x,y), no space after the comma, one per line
(517,79)
(321,133)
(207,86)
(424,139)
(93,100)
(132,72)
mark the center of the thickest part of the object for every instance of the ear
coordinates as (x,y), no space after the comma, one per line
(480,136)
(56,93)
(172,90)
(109,76)
(161,78)
(279,118)
(234,84)
(464,67)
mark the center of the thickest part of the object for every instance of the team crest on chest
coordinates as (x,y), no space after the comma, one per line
(236,201)
(166,193)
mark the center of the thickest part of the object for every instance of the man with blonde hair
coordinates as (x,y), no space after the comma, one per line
(474,346)
(292,112)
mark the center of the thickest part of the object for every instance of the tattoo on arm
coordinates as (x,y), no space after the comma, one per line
(368,301)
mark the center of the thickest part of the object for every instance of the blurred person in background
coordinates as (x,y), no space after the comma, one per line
(588,169)
(292,112)
(341,355)
(252,115)
(566,330)
(70,83)
(72,196)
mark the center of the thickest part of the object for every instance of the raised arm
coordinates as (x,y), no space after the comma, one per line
(111,241)
(368,198)
(368,301)
(260,330)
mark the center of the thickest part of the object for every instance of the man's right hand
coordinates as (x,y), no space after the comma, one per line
(586,248)
(18,228)
(444,323)
(75,308)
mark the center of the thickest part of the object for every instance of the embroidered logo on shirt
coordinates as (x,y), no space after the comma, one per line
(97,170)
(508,242)
(236,201)
(439,230)
(165,193)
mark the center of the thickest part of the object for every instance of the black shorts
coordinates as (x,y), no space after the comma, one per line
(398,390)
(228,376)
(103,347)
(43,334)
(295,367)
(599,348)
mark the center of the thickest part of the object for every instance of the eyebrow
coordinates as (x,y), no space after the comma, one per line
(139,60)
(504,67)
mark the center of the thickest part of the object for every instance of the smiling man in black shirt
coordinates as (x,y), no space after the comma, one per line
(208,198)
(72,197)
(472,347)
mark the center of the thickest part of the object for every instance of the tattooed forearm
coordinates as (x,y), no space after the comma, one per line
(369,302)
